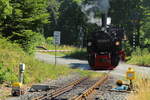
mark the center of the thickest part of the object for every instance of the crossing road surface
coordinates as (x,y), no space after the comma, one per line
(83,64)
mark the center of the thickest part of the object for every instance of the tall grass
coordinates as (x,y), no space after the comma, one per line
(143,90)
(140,57)
(75,52)
(11,55)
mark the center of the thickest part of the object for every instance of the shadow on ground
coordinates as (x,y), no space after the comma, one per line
(80,66)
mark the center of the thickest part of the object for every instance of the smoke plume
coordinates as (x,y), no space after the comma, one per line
(93,7)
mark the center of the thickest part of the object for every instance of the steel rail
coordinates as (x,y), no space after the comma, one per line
(90,90)
(60,91)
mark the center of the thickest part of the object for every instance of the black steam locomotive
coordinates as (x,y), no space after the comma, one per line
(104,46)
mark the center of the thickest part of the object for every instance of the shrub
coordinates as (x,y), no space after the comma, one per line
(29,39)
(127,47)
(50,40)
(140,57)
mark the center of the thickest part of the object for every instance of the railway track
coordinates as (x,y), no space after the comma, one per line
(77,90)
(90,90)
(60,90)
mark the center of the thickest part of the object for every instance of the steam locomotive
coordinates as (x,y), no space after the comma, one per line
(104,46)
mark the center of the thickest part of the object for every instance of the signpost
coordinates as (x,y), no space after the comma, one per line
(130,75)
(57,35)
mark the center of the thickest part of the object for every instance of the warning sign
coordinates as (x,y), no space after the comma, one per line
(57,37)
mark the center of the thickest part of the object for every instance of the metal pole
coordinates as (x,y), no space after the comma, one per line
(131,85)
(21,77)
(55,54)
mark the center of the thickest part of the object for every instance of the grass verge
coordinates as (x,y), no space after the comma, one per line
(11,55)
(143,90)
(77,53)
(140,57)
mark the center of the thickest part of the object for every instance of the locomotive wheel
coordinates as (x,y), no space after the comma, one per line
(115,60)
(91,59)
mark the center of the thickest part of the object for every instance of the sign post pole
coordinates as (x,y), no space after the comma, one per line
(55,55)
(56,42)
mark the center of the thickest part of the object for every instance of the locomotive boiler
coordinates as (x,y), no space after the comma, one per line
(104,46)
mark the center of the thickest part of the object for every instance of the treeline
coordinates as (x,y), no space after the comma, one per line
(28,22)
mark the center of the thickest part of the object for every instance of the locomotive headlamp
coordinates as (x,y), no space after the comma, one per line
(89,43)
(117,43)
(103,28)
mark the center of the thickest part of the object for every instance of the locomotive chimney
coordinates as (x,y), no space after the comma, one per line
(104,20)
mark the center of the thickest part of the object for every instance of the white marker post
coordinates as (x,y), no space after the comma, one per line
(21,71)
(56,41)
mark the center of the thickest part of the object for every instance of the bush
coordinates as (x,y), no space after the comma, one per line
(127,47)
(140,57)
(78,54)
(50,40)
(29,39)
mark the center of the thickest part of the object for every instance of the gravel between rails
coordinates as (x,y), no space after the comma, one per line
(54,84)
(103,92)
(80,88)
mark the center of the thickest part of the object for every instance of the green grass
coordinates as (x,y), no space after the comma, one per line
(11,55)
(78,53)
(140,57)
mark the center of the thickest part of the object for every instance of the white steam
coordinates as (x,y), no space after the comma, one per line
(94,6)
(94,20)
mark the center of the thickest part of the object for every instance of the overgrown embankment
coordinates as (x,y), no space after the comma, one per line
(140,57)
(11,55)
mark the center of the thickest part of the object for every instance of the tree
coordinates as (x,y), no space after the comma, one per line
(70,21)
(128,14)
(5,9)
(26,15)
(53,10)
(145,30)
